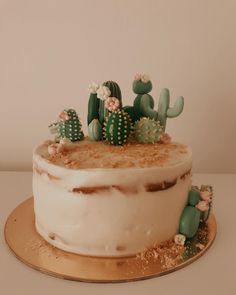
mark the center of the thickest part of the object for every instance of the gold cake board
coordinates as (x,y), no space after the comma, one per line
(29,247)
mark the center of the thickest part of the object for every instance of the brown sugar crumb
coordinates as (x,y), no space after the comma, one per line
(89,154)
(168,254)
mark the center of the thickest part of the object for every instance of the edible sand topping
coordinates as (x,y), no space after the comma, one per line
(89,154)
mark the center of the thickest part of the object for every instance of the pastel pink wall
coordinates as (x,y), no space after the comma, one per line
(51,50)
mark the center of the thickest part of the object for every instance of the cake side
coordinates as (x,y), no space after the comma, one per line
(109,212)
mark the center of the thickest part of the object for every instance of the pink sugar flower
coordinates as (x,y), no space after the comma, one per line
(202,206)
(165,138)
(64,116)
(112,104)
(137,77)
(206,196)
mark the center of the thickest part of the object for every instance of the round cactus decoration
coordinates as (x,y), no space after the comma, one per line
(147,130)
(117,127)
(68,126)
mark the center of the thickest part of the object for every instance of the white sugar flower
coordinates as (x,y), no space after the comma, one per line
(112,104)
(179,239)
(202,206)
(93,87)
(145,78)
(206,196)
(103,92)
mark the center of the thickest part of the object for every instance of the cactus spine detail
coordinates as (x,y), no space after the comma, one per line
(147,130)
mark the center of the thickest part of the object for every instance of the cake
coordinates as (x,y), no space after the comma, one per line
(123,188)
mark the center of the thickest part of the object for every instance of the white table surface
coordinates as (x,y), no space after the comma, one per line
(214,273)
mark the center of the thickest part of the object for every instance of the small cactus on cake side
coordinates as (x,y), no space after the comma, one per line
(117,127)
(197,211)
(144,103)
(68,126)
(147,130)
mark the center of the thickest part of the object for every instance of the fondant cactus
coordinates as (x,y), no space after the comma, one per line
(117,127)
(114,92)
(189,221)
(131,112)
(141,89)
(144,103)
(93,104)
(68,126)
(147,130)
(204,196)
(95,130)
(197,210)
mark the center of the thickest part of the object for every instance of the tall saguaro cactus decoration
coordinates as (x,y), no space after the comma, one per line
(93,104)
(144,103)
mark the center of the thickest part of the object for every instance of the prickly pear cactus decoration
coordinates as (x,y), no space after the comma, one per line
(147,130)
(144,103)
(95,130)
(68,126)
(117,127)
(114,91)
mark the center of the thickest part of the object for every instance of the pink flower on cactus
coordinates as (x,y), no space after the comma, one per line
(206,196)
(55,148)
(112,104)
(165,138)
(202,206)
(142,77)
(137,77)
(63,116)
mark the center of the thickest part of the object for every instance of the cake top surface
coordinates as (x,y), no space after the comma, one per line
(89,154)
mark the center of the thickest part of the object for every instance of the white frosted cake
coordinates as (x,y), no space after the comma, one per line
(122,189)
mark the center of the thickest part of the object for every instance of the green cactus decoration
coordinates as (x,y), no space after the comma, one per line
(115,92)
(141,89)
(68,127)
(95,130)
(191,216)
(144,103)
(131,112)
(93,107)
(147,130)
(205,215)
(189,221)
(117,127)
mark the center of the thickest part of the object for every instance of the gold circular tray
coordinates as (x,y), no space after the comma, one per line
(29,247)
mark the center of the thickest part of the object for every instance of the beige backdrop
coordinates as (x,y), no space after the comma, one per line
(51,50)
